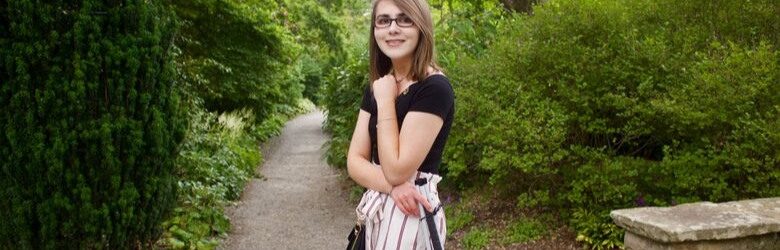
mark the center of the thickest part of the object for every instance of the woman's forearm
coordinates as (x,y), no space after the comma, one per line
(367,175)
(388,144)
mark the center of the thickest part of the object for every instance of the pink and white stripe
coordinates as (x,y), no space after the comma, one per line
(388,228)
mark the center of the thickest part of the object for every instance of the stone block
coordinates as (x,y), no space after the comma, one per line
(747,224)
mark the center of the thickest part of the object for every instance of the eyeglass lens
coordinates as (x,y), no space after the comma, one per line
(401,21)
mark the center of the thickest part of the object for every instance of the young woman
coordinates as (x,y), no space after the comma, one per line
(403,124)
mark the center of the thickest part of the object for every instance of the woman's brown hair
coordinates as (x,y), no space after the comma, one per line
(423,55)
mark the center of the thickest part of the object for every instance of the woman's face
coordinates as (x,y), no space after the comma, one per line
(394,31)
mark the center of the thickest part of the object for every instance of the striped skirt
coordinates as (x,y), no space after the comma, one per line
(388,228)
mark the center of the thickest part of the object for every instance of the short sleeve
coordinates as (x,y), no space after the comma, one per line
(365,104)
(435,96)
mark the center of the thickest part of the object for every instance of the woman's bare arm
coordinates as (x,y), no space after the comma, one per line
(401,153)
(359,165)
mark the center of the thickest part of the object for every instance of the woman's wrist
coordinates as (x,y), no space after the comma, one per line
(385,103)
(384,120)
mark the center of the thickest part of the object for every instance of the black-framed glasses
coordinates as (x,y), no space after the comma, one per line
(401,21)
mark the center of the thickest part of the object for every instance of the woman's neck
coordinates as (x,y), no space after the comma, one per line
(402,67)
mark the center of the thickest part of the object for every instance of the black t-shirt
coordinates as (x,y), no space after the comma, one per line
(433,95)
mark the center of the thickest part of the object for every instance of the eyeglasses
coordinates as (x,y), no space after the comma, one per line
(401,21)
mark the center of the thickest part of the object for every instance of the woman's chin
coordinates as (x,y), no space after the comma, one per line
(396,54)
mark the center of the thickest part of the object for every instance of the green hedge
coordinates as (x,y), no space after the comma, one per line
(90,123)
(598,105)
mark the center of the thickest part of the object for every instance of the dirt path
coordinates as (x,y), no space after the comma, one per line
(299,204)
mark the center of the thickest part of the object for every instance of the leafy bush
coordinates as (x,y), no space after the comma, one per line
(597,105)
(465,28)
(344,87)
(91,123)
(217,158)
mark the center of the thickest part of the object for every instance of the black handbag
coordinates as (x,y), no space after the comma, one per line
(357,238)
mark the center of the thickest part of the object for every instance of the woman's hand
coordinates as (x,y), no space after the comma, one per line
(406,198)
(385,88)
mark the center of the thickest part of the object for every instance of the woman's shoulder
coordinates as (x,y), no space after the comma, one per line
(437,79)
(436,75)
(436,84)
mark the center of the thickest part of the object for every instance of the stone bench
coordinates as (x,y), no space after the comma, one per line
(747,224)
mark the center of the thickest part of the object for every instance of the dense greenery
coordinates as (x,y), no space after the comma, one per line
(218,156)
(345,83)
(321,32)
(241,60)
(238,54)
(89,102)
(570,108)
(90,123)
(596,105)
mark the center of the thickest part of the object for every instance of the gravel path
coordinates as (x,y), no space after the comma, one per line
(299,204)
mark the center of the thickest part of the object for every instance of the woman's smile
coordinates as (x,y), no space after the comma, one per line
(394,42)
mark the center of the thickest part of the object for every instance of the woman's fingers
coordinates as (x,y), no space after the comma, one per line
(415,211)
(408,207)
(407,198)
(424,202)
(401,207)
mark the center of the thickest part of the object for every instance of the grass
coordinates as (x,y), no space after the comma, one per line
(477,238)
(524,230)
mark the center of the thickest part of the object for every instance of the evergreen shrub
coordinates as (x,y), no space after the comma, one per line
(90,123)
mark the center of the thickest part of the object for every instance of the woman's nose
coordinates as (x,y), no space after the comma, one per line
(393,29)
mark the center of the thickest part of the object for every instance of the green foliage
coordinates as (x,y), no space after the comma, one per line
(217,158)
(240,57)
(320,31)
(596,230)
(344,84)
(533,199)
(458,218)
(477,238)
(465,28)
(91,123)
(238,54)
(593,105)
(343,92)
(599,105)
(524,230)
